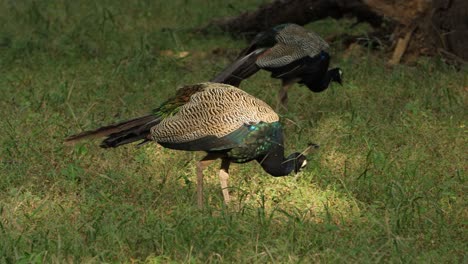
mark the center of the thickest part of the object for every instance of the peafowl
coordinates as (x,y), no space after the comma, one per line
(219,119)
(290,53)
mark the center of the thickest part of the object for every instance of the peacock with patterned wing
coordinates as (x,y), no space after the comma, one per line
(290,53)
(219,119)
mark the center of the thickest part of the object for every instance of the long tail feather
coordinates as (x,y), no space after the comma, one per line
(121,133)
(239,70)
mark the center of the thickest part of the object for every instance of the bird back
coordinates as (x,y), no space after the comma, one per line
(293,43)
(216,110)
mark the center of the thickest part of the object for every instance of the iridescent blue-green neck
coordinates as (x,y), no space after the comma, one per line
(255,141)
(264,143)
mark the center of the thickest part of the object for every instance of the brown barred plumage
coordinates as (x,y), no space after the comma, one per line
(216,110)
(293,42)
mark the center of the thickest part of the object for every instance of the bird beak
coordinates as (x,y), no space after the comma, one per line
(310,147)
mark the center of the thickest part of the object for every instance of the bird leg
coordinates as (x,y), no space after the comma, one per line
(223,178)
(201,166)
(283,97)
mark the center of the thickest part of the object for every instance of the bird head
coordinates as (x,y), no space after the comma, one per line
(300,163)
(301,158)
(336,75)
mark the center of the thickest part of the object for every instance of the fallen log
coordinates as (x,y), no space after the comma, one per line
(299,12)
(418,27)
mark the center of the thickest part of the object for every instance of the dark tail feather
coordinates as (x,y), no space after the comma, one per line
(120,133)
(239,70)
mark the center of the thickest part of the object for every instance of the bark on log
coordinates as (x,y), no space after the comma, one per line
(299,12)
(448,26)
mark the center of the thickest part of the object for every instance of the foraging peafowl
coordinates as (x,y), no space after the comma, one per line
(290,53)
(220,119)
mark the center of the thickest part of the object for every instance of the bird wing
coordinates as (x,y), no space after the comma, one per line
(320,44)
(293,43)
(280,55)
(306,40)
(210,114)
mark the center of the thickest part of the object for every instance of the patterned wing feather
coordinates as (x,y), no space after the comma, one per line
(217,110)
(293,43)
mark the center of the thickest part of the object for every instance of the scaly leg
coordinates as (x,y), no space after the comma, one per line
(223,178)
(283,97)
(201,166)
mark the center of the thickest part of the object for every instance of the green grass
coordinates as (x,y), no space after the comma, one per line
(387,185)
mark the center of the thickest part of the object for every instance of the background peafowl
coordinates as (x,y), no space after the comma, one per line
(220,119)
(290,53)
